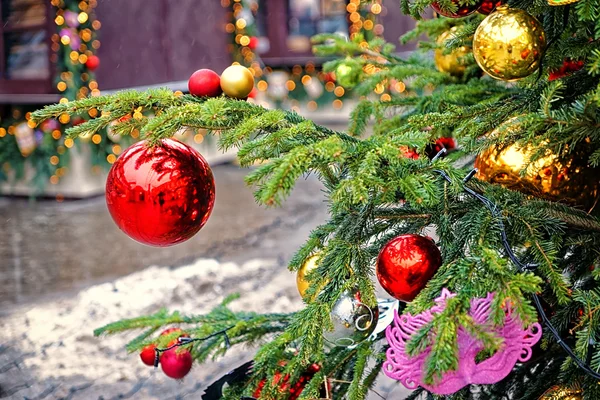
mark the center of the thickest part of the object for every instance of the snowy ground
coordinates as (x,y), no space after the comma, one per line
(59,285)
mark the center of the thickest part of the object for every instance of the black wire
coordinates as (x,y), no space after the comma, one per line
(182,341)
(495,211)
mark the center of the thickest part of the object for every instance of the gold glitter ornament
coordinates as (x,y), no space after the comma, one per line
(509,44)
(562,393)
(453,62)
(567,179)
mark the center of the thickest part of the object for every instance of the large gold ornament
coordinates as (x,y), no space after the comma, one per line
(562,393)
(509,44)
(566,178)
(237,81)
(304,270)
(453,62)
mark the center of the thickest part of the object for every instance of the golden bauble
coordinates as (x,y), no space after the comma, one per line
(301,282)
(509,44)
(562,393)
(566,178)
(237,81)
(452,63)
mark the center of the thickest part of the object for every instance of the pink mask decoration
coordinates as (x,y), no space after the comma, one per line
(410,370)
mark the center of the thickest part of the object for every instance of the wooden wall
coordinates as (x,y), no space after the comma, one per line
(146,42)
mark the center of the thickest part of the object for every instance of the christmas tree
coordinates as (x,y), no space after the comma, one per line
(494,265)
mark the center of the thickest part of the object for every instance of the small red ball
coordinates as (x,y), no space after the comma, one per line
(92,63)
(148,354)
(205,82)
(405,265)
(253,44)
(176,363)
(161,195)
(487,6)
(462,11)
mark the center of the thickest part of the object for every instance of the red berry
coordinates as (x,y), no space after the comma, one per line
(176,363)
(205,82)
(148,354)
(253,43)
(92,62)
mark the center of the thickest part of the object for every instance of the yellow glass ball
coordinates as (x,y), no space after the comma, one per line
(566,178)
(509,44)
(453,62)
(301,283)
(237,81)
(562,393)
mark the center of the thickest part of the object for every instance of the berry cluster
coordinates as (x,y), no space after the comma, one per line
(176,363)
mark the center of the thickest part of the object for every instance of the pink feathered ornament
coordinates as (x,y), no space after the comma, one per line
(516,347)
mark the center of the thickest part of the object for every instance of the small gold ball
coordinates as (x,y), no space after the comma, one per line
(237,81)
(509,44)
(453,62)
(562,393)
(304,270)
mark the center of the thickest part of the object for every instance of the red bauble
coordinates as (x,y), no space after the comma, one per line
(253,43)
(148,354)
(405,265)
(462,11)
(487,6)
(176,363)
(92,62)
(205,82)
(160,195)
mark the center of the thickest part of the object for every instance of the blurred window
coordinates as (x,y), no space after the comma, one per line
(24,41)
(289,37)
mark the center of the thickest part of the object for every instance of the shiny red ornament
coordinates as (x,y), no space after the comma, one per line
(176,363)
(205,82)
(487,6)
(148,354)
(253,44)
(462,11)
(405,265)
(160,195)
(92,62)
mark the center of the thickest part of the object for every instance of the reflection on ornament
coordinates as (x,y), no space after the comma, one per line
(301,283)
(461,10)
(452,63)
(25,139)
(410,370)
(562,393)
(352,320)
(509,44)
(566,179)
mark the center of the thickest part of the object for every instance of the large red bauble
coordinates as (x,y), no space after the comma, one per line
(92,62)
(487,6)
(205,82)
(462,11)
(405,265)
(160,195)
(176,363)
(148,354)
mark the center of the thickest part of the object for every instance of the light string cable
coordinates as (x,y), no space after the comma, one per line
(496,212)
(182,341)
